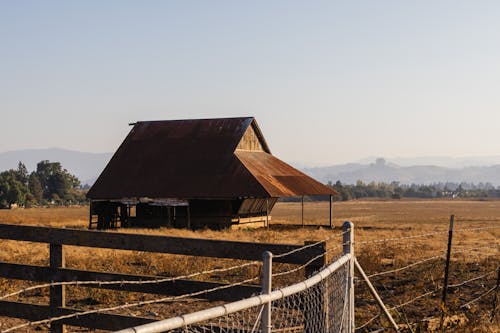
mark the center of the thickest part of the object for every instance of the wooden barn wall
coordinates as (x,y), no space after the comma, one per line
(216,214)
(250,141)
(213,213)
(256,206)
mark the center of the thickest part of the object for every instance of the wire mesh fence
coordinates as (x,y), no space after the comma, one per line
(319,304)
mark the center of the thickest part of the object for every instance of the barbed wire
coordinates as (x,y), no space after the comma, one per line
(310,245)
(385,240)
(476,229)
(219,270)
(395,308)
(406,267)
(369,321)
(426,260)
(415,299)
(130,282)
(466,305)
(471,280)
(392,239)
(170,279)
(298,268)
(461,250)
(438,289)
(126,306)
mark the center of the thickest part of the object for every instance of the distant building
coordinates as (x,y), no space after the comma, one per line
(194,173)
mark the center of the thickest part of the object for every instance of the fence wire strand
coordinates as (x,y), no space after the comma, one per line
(176,278)
(127,305)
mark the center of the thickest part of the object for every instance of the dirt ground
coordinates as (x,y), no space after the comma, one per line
(384,241)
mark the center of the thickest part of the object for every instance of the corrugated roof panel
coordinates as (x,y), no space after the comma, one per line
(278,178)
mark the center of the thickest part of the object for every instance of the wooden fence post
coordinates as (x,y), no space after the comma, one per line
(446,272)
(330,210)
(57,293)
(302,210)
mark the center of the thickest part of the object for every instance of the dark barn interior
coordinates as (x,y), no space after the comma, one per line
(194,174)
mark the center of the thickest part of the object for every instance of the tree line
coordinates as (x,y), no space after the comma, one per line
(395,190)
(48,184)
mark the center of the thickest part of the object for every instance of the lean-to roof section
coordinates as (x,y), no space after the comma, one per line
(278,178)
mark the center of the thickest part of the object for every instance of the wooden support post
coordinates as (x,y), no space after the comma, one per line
(331,207)
(188,216)
(57,293)
(169,218)
(90,215)
(446,273)
(302,211)
(267,213)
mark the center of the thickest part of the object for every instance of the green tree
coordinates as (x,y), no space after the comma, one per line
(55,180)
(12,190)
(22,173)
(35,188)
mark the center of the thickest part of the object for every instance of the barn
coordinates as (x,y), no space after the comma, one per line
(194,173)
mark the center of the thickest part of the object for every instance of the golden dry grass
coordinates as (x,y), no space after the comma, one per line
(374,220)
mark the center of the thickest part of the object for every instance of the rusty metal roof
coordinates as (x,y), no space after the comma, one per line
(197,159)
(278,178)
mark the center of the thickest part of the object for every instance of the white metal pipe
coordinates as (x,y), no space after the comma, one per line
(348,241)
(219,311)
(267,276)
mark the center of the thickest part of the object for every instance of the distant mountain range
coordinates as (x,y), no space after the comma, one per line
(442,161)
(419,170)
(383,171)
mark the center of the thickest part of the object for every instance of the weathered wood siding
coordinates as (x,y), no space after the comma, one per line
(250,141)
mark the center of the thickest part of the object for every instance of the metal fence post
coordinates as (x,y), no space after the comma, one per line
(446,272)
(267,275)
(348,246)
(57,293)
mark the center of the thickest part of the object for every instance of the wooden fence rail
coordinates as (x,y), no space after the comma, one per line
(57,272)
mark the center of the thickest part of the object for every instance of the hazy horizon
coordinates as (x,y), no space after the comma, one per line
(329,82)
(442,161)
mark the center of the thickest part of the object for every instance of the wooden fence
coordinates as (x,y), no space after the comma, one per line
(56,271)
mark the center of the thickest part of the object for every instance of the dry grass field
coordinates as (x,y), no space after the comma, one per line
(475,253)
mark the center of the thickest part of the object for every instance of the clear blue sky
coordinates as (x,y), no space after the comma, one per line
(328,81)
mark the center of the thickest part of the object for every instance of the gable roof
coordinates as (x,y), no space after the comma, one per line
(197,159)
